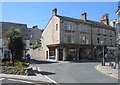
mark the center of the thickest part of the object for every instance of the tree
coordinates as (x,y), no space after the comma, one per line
(15,44)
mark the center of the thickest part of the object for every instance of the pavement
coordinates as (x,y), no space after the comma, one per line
(108,70)
(37,77)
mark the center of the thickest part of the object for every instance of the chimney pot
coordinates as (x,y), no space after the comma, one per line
(54,12)
(105,19)
(84,16)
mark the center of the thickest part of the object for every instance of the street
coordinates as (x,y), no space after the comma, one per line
(72,72)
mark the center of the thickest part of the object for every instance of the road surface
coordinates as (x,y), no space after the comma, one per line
(72,72)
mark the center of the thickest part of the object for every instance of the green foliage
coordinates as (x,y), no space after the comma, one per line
(34,46)
(15,43)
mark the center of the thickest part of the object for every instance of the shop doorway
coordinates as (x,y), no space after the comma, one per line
(60,55)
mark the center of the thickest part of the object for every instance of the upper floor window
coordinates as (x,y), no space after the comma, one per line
(110,41)
(87,28)
(110,31)
(31,36)
(81,28)
(105,41)
(56,27)
(104,31)
(68,26)
(98,30)
(69,39)
(65,26)
(98,40)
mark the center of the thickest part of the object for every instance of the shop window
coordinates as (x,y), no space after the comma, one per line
(51,51)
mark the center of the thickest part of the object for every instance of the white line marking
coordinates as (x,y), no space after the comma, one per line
(38,69)
(50,79)
(20,81)
(2,79)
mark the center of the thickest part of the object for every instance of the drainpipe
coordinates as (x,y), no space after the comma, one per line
(91,43)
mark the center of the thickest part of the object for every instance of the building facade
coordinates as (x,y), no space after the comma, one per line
(117,24)
(35,35)
(5,26)
(1,41)
(66,38)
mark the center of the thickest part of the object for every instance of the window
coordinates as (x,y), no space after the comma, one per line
(104,31)
(71,26)
(87,42)
(98,30)
(104,41)
(56,27)
(110,41)
(80,26)
(31,36)
(86,28)
(98,40)
(65,26)
(80,40)
(110,31)
(52,51)
(68,26)
(84,40)
(69,39)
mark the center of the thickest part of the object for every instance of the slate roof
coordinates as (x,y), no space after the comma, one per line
(101,25)
(91,22)
(73,19)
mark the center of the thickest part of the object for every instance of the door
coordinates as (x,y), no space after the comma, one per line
(46,54)
(60,55)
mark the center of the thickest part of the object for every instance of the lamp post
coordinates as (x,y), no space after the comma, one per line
(103,59)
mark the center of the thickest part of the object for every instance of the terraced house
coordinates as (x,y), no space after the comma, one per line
(67,38)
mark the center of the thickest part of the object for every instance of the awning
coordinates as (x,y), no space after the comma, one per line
(70,45)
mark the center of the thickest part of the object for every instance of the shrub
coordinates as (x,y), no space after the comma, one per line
(17,64)
(35,46)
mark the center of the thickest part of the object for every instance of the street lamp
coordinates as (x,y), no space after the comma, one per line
(103,60)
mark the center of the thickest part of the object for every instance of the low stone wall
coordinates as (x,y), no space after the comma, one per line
(17,71)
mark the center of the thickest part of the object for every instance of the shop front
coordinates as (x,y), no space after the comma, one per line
(69,52)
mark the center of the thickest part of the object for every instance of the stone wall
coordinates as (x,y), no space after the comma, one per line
(36,54)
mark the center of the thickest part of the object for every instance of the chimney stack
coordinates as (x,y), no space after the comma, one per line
(84,16)
(105,19)
(54,12)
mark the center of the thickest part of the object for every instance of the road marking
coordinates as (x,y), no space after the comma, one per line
(20,80)
(48,77)
(2,79)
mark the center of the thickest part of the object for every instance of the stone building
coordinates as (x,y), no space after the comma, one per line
(67,38)
(35,35)
(5,26)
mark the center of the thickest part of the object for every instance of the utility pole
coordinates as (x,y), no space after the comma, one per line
(103,59)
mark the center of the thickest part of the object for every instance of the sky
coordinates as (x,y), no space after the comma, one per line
(39,13)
